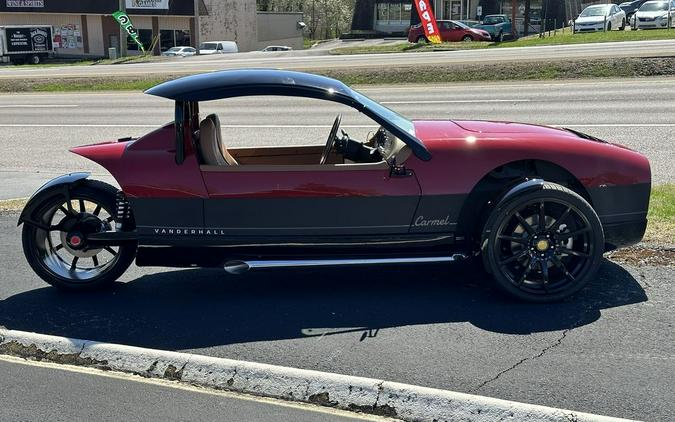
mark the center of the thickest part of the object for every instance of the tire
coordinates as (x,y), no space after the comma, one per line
(467,38)
(623,25)
(609,26)
(34,59)
(500,37)
(543,262)
(422,39)
(50,262)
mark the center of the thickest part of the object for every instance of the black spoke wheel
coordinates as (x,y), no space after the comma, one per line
(57,249)
(543,245)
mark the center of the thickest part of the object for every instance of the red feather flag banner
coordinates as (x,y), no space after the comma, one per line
(428,21)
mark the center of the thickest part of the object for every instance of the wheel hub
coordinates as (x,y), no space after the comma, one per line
(74,239)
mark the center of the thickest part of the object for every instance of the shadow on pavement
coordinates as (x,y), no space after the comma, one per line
(191,309)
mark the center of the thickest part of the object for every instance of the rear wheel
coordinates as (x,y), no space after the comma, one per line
(543,245)
(422,39)
(58,252)
(34,59)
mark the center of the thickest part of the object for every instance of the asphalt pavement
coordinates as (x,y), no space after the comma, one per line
(38,129)
(609,350)
(37,392)
(321,59)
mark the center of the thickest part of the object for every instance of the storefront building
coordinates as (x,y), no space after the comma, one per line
(393,17)
(86,28)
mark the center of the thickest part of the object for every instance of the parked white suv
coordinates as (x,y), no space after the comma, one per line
(218,47)
(600,17)
(655,14)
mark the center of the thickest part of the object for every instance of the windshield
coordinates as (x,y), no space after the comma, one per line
(461,25)
(492,20)
(654,7)
(174,49)
(594,11)
(209,46)
(396,119)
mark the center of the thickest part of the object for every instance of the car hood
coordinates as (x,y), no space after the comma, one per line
(652,14)
(590,19)
(437,130)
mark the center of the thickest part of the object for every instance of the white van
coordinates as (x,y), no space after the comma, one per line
(218,47)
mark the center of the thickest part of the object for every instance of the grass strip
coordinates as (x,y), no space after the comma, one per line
(660,229)
(543,70)
(559,38)
(661,226)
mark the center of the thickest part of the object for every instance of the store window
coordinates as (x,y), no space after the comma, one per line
(145,36)
(393,13)
(382,11)
(173,38)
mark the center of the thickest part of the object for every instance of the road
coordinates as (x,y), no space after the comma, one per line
(320,59)
(39,392)
(37,129)
(609,351)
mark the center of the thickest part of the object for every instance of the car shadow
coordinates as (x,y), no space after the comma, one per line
(196,308)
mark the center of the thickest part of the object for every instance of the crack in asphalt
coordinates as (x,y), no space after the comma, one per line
(520,362)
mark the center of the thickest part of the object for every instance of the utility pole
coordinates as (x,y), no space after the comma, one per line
(313,27)
(196,18)
(514,30)
(123,32)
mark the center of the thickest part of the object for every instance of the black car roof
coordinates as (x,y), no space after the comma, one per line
(235,83)
(244,82)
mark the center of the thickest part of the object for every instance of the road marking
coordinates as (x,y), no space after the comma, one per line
(37,105)
(191,388)
(458,101)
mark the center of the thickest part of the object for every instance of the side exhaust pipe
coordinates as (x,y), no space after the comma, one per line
(240,267)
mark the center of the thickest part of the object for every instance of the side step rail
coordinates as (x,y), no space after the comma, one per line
(240,267)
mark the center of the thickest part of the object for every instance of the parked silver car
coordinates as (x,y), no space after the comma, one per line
(600,17)
(180,52)
(655,14)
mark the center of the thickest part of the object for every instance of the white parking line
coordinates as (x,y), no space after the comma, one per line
(103,125)
(38,105)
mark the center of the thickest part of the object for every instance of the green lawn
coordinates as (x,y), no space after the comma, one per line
(661,226)
(610,36)
(560,38)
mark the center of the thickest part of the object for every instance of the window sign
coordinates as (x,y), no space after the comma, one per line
(147,4)
(25,3)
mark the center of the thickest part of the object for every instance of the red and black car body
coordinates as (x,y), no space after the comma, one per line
(418,191)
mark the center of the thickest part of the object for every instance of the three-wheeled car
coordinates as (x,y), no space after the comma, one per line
(539,204)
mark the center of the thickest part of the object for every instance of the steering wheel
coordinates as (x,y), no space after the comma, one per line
(331,139)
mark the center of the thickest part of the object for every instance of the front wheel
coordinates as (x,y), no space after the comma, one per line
(544,245)
(57,250)
(623,25)
(500,37)
(467,38)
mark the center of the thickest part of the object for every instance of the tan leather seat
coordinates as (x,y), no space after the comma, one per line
(211,144)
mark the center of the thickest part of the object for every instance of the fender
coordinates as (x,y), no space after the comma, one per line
(59,185)
(524,186)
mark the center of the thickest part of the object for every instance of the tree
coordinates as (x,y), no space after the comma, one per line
(324,18)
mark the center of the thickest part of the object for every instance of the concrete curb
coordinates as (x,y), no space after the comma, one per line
(379,397)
